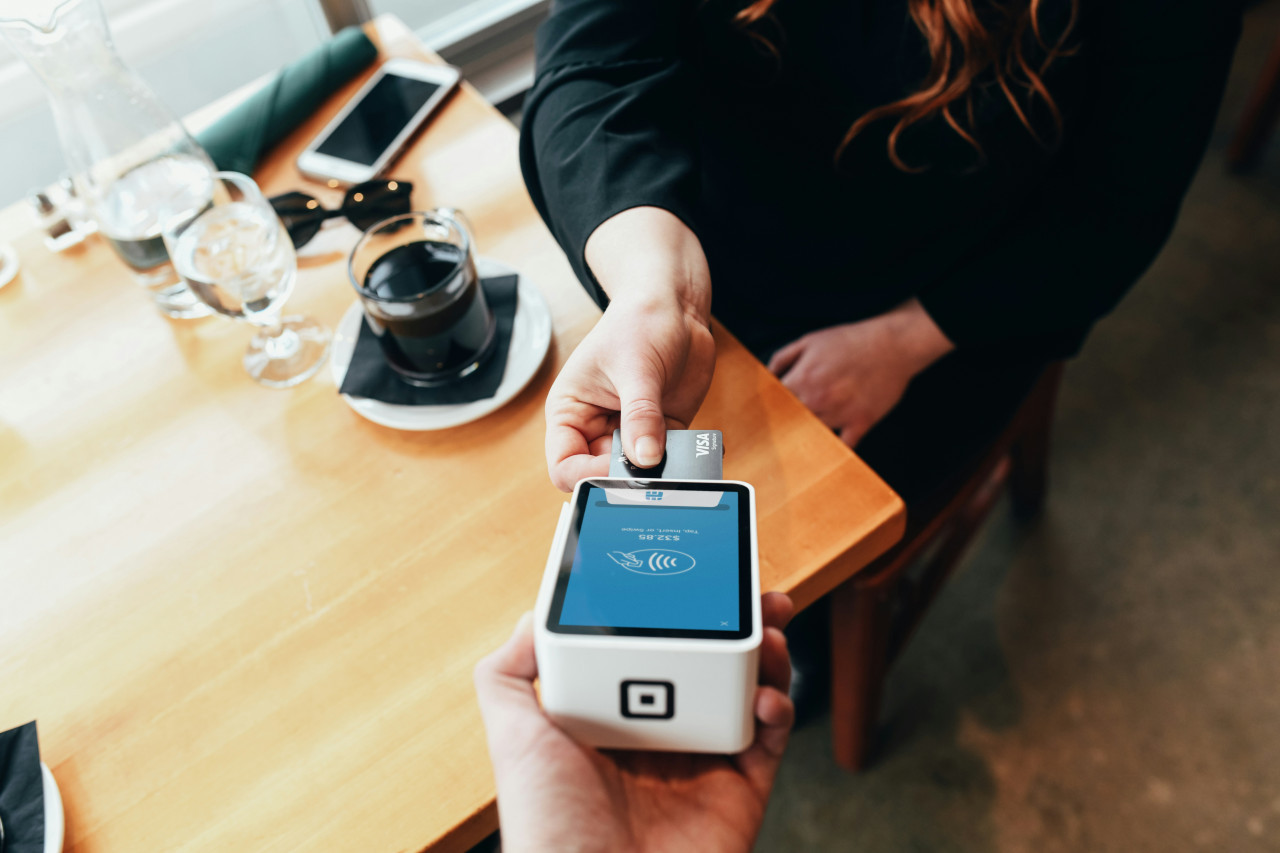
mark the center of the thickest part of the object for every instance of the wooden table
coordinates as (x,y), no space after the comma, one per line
(246,619)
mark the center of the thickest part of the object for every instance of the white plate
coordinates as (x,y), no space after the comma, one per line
(54,822)
(530,340)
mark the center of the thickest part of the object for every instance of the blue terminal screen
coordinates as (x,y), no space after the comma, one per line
(648,564)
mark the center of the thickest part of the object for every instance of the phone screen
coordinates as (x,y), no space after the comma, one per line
(662,559)
(377,119)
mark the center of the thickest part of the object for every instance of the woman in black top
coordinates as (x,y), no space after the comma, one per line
(944,194)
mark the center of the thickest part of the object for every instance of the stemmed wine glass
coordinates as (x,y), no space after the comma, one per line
(237,258)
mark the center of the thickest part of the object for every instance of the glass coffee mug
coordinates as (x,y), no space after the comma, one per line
(416,277)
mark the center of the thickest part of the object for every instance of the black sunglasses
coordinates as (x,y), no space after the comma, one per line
(364,206)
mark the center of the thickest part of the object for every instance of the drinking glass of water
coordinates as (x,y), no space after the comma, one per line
(131,211)
(237,258)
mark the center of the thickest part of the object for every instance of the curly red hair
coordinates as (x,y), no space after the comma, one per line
(962,48)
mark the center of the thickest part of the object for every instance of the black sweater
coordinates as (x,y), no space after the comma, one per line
(668,103)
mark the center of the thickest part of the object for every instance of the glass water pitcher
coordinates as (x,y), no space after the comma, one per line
(132,161)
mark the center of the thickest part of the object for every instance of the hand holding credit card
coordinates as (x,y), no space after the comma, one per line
(691,454)
(647,364)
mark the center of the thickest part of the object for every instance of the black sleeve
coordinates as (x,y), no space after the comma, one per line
(606,123)
(1068,258)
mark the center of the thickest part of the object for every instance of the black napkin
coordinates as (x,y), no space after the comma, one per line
(21,790)
(370,376)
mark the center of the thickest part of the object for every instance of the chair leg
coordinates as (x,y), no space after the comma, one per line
(1259,116)
(1029,477)
(859,647)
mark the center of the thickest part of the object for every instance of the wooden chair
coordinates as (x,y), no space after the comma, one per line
(1259,117)
(874,613)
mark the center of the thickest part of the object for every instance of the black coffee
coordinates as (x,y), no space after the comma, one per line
(445,330)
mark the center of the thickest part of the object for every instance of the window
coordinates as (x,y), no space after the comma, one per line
(192,52)
(189,52)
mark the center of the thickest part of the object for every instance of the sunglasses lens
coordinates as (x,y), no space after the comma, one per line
(369,203)
(301,214)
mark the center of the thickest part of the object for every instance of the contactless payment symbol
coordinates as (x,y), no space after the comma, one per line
(654,562)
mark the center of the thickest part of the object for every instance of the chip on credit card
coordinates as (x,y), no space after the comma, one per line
(691,454)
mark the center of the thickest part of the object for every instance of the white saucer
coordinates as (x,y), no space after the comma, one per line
(530,340)
(54,821)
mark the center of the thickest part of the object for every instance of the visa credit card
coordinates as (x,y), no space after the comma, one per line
(692,454)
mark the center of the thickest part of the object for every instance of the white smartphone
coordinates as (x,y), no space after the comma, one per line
(366,136)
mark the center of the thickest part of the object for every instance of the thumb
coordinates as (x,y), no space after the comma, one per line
(644,430)
(504,679)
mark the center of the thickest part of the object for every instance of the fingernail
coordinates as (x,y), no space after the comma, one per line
(648,453)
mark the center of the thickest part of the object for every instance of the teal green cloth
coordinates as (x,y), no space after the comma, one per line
(240,139)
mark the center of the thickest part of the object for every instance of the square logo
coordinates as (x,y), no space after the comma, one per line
(653,700)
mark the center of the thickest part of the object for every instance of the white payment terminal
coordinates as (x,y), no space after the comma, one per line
(648,627)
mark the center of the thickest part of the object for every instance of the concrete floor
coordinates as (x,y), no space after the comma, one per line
(1108,678)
